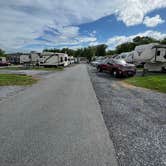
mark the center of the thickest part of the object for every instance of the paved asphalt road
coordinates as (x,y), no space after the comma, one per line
(56,122)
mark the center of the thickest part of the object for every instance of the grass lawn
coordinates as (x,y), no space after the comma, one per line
(154,82)
(10,68)
(14,79)
(36,68)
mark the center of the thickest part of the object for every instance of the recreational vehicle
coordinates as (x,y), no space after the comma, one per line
(54,59)
(129,57)
(32,58)
(71,60)
(14,58)
(153,56)
(122,56)
(3,61)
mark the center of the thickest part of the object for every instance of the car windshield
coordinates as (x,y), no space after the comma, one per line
(120,62)
(100,59)
(105,60)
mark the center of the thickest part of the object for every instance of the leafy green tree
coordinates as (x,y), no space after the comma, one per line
(78,52)
(144,40)
(52,50)
(111,52)
(2,53)
(125,47)
(163,41)
(89,53)
(101,50)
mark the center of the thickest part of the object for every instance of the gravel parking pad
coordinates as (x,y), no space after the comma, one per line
(135,118)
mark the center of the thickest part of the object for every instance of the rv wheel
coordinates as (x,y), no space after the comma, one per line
(163,69)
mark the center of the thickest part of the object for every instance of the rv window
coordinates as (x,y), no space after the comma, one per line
(0,59)
(139,53)
(123,56)
(61,59)
(165,55)
(65,58)
(158,53)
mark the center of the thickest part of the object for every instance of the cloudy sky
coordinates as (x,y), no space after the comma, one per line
(36,24)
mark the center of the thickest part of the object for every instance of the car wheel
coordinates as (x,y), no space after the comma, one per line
(115,74)
(99,69)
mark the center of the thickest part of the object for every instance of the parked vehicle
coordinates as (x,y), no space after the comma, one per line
(14,58)
(49,59)
(98,60)
(122,56)
(3,61)
(129,57)
(118,68)
(31,58)
(153,56)
(71,60)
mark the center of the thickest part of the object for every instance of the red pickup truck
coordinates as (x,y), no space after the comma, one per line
(119,68)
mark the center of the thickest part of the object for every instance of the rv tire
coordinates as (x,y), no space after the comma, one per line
(163,69)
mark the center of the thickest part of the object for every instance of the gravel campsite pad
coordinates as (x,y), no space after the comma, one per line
(135,118)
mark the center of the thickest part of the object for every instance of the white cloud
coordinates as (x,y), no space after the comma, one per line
(68,36)
(132,12)
(94,43)
(63,37)
(93,33)
(115,41)
(153,21)
(24,20)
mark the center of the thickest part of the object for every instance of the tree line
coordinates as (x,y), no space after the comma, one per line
(88,52)
(2,53)
(101,50)
(130,46)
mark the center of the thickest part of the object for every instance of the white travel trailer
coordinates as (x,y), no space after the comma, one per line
(3,59)
(44,56)
(71,60)
(32,58)
(129,57)
(54,59)
(121,56)
(153,56)
(25,58)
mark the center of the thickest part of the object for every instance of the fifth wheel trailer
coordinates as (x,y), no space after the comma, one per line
(153,56)
(49,59)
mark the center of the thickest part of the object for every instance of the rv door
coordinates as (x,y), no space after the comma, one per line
(160,55)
